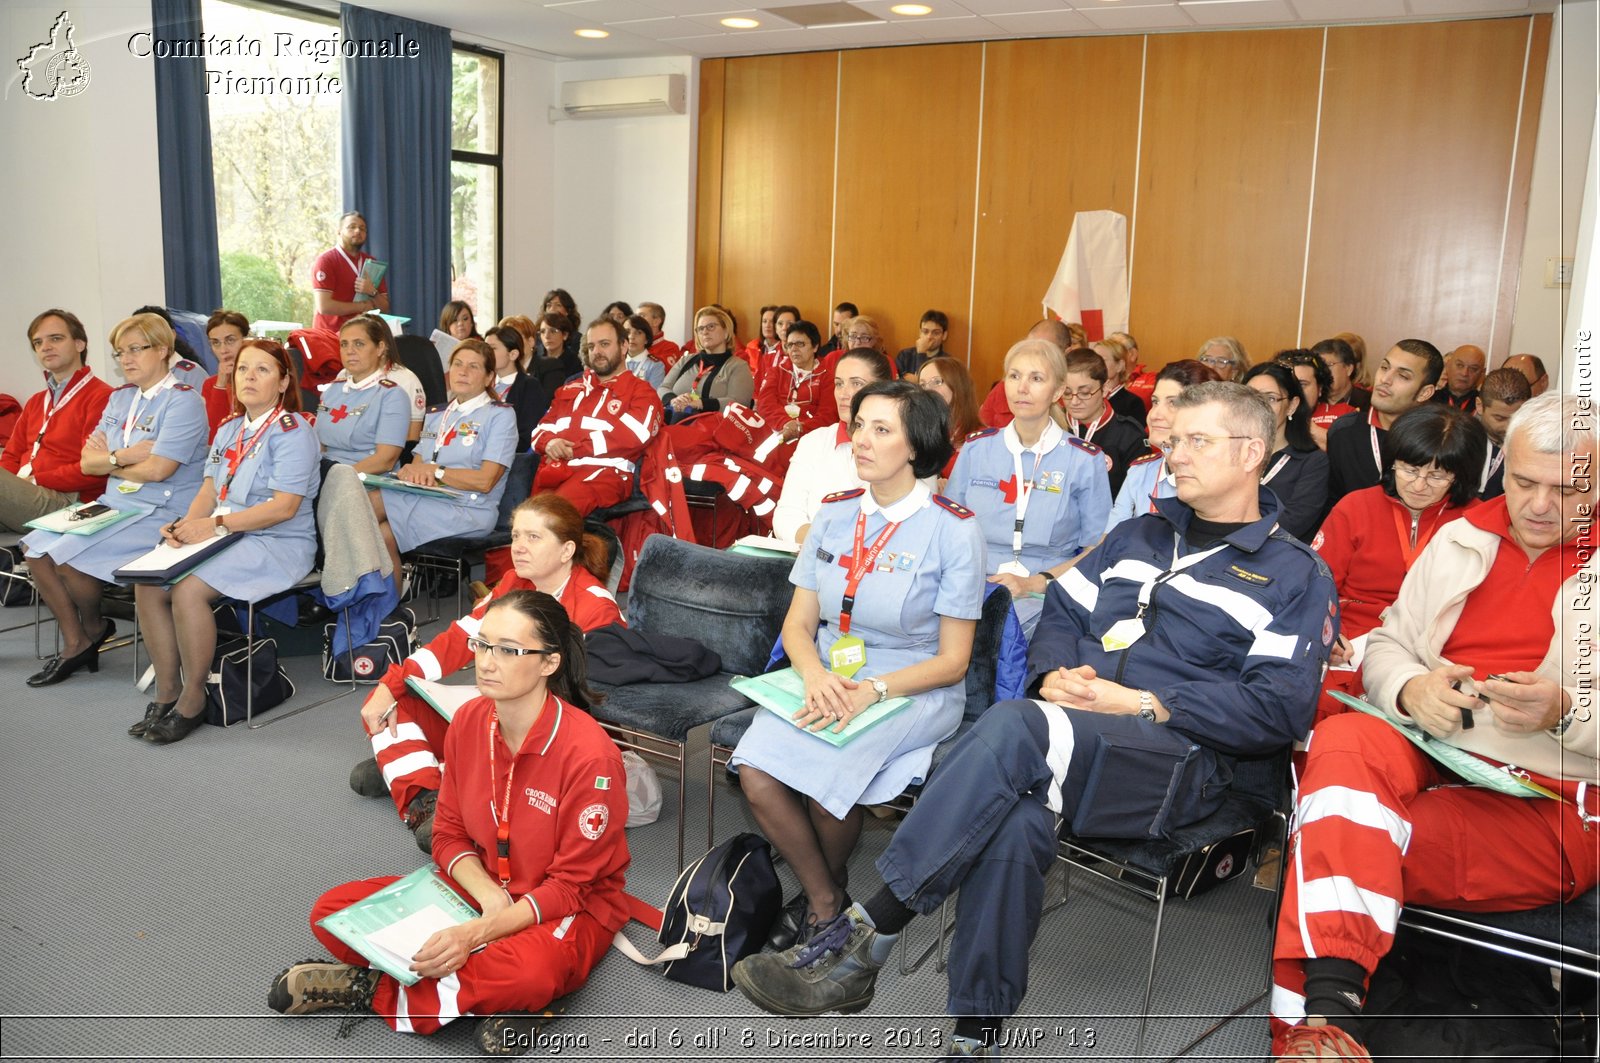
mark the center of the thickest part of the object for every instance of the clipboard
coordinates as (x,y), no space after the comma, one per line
(1471,767)
(764,546)
(389,926)
(387,482)
(168,564)
(783,692)
(445,698)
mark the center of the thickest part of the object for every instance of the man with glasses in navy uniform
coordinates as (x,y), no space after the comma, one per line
(1190,637)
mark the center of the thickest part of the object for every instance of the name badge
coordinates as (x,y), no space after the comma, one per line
(222,511)
(1014,568)
(848,656)
(126,488)
(1123,633)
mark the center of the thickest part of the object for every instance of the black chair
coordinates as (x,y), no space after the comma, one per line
(421,357)
(613,550)
(731,603)
(980,694)
(1258,801)
(453,554)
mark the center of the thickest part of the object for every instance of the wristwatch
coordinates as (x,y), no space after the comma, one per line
(881,687)
(220,526)
(112,458)
(438,474)
(1147,709)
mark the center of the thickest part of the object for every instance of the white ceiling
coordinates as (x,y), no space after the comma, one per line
(693,27)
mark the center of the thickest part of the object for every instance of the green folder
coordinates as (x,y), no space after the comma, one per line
(783,692)
(1468,765)
(392,924)
(446,698)
(65,521)
(393,483)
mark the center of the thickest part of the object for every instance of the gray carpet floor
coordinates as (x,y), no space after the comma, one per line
(149,895)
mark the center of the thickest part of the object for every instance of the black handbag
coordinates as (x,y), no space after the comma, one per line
(396,639)
(237,666)
(15,587)
(720,910)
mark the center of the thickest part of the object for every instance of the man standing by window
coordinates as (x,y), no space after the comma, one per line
(337,283)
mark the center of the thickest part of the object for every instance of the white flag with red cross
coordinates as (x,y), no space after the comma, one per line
(1091,283)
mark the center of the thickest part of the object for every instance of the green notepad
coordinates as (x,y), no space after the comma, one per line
(394,483)
(783,692)
(446,698)
(1469,766)
(66,521)
(391,925)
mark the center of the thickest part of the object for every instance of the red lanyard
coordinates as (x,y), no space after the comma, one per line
(1407,551)
(241,450)
(1156,486)
(53,404)
(502,812)
(860,565)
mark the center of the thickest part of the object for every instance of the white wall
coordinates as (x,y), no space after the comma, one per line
(1561,169)
(80,198)
(528,198)
(625,194)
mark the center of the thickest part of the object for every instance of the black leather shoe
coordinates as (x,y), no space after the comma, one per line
(57,669)
(174,727)
(786,931)
(152,712)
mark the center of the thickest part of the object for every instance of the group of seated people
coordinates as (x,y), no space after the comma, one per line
(1182,602)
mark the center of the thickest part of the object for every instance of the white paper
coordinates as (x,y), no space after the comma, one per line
(164,557)
(1358,650)
(446,698)
(401,940)
(767,542)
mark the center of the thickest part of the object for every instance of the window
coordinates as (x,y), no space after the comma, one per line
(275,140)
(475,154)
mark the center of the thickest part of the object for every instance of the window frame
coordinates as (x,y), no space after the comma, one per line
(496,160)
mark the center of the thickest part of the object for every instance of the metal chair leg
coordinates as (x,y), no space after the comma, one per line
(1150,974)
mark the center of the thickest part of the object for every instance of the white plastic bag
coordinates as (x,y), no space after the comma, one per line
(644,790)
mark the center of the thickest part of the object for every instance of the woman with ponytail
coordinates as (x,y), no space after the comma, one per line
(552,553)
(530,830)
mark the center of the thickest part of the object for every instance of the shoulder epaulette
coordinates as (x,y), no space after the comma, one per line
(439,407)
(387,383)
(288,422)
(845,496)
(182,387)
(1147,459)
(1082,444)
(184,364)
(124,387)
(952,506)
(502,404)
(982,433)
(229,419)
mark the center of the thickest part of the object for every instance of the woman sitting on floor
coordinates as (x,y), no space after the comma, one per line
(466,446)
(1041,495)
(916,583)
(547,875)
(151,442)
(550,552)
(260,482)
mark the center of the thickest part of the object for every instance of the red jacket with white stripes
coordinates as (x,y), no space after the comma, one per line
(585,598)
(608,422)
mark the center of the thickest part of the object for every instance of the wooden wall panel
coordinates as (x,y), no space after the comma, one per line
(908,121)
(1417,129)
(777,190)
(1499,345)
(708,197)
(1224,187)
(1035,174)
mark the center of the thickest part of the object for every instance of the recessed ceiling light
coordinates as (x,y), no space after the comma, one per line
(912,9)
(740,23)
(593,35)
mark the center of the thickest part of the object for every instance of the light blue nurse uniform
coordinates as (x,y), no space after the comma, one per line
(456,438)
(648,369)
(1147,480)
(288,458)
(354,421)
(173,415)
(932,567)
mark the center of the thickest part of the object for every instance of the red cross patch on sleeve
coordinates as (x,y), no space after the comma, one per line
(592,821)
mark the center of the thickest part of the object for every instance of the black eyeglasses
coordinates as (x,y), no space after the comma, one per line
(477,645)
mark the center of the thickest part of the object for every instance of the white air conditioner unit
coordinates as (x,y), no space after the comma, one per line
(623,97)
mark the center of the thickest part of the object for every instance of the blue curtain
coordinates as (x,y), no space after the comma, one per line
(396,159)
(191,263)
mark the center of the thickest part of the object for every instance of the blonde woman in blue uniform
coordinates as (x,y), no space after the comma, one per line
(364,419)
(151,442)
(261,478)
(466,444)
(1040,493)
(891,573)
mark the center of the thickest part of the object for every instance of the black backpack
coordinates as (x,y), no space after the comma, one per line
(720,910)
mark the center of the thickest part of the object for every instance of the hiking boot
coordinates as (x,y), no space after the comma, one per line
(419,818)
(1316,1039)
(317,985)
(513,1033)
(366,779)
(970,1048)
(834,971)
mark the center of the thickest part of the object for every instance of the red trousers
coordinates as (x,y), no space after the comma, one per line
(587,487)
(523,972)
(1378,825)
(410,760)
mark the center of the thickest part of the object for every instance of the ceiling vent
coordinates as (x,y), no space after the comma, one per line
(825,16)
